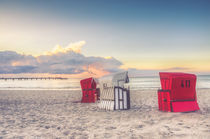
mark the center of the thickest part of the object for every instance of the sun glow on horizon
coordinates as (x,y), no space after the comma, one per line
(171,65)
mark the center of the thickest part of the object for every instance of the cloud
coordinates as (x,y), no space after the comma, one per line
(61,60)
(74,47)
(16,69)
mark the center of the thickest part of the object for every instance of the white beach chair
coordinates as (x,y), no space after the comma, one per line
(113,93)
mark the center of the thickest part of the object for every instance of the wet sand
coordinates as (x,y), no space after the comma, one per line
(58,114)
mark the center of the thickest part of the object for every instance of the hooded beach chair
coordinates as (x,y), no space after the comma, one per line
(89,91)
(114,94)
(178,93)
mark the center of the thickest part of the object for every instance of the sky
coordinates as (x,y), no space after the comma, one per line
(137,35)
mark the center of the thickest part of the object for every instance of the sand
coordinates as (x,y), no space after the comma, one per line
(57,114)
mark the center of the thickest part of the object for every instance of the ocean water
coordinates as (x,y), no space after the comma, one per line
(139,83)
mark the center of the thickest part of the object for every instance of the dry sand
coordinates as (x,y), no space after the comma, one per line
(56,114)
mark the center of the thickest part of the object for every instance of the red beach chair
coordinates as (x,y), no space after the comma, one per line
(89,91)
(178,93)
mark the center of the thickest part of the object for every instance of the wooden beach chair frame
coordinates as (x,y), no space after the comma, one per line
(114,95)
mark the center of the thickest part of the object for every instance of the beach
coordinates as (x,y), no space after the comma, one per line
(59,114)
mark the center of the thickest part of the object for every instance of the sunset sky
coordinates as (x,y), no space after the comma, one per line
(106,35)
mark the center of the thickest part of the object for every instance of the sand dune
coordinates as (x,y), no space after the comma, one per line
(57,114)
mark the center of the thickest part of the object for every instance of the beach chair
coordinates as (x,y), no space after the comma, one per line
(178,93)
(89,91)
(115,95)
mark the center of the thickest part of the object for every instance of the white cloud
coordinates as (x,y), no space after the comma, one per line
(61,60)
(74,47)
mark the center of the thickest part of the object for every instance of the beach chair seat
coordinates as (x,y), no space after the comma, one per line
(178,93)
(89,91)
(114,95)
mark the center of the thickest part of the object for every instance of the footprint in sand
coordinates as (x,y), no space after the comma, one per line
(80,129)
(169,129)
(107,135)
(175,129)
(3,132)
(140,126)
(149,122)
(47,127)
(180,124)
(58,128)
(66,133)
(187,127)
(110,128)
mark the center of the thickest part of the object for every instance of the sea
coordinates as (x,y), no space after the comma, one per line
(137,83)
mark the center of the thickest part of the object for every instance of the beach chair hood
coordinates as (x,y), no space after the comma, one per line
(120,79)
